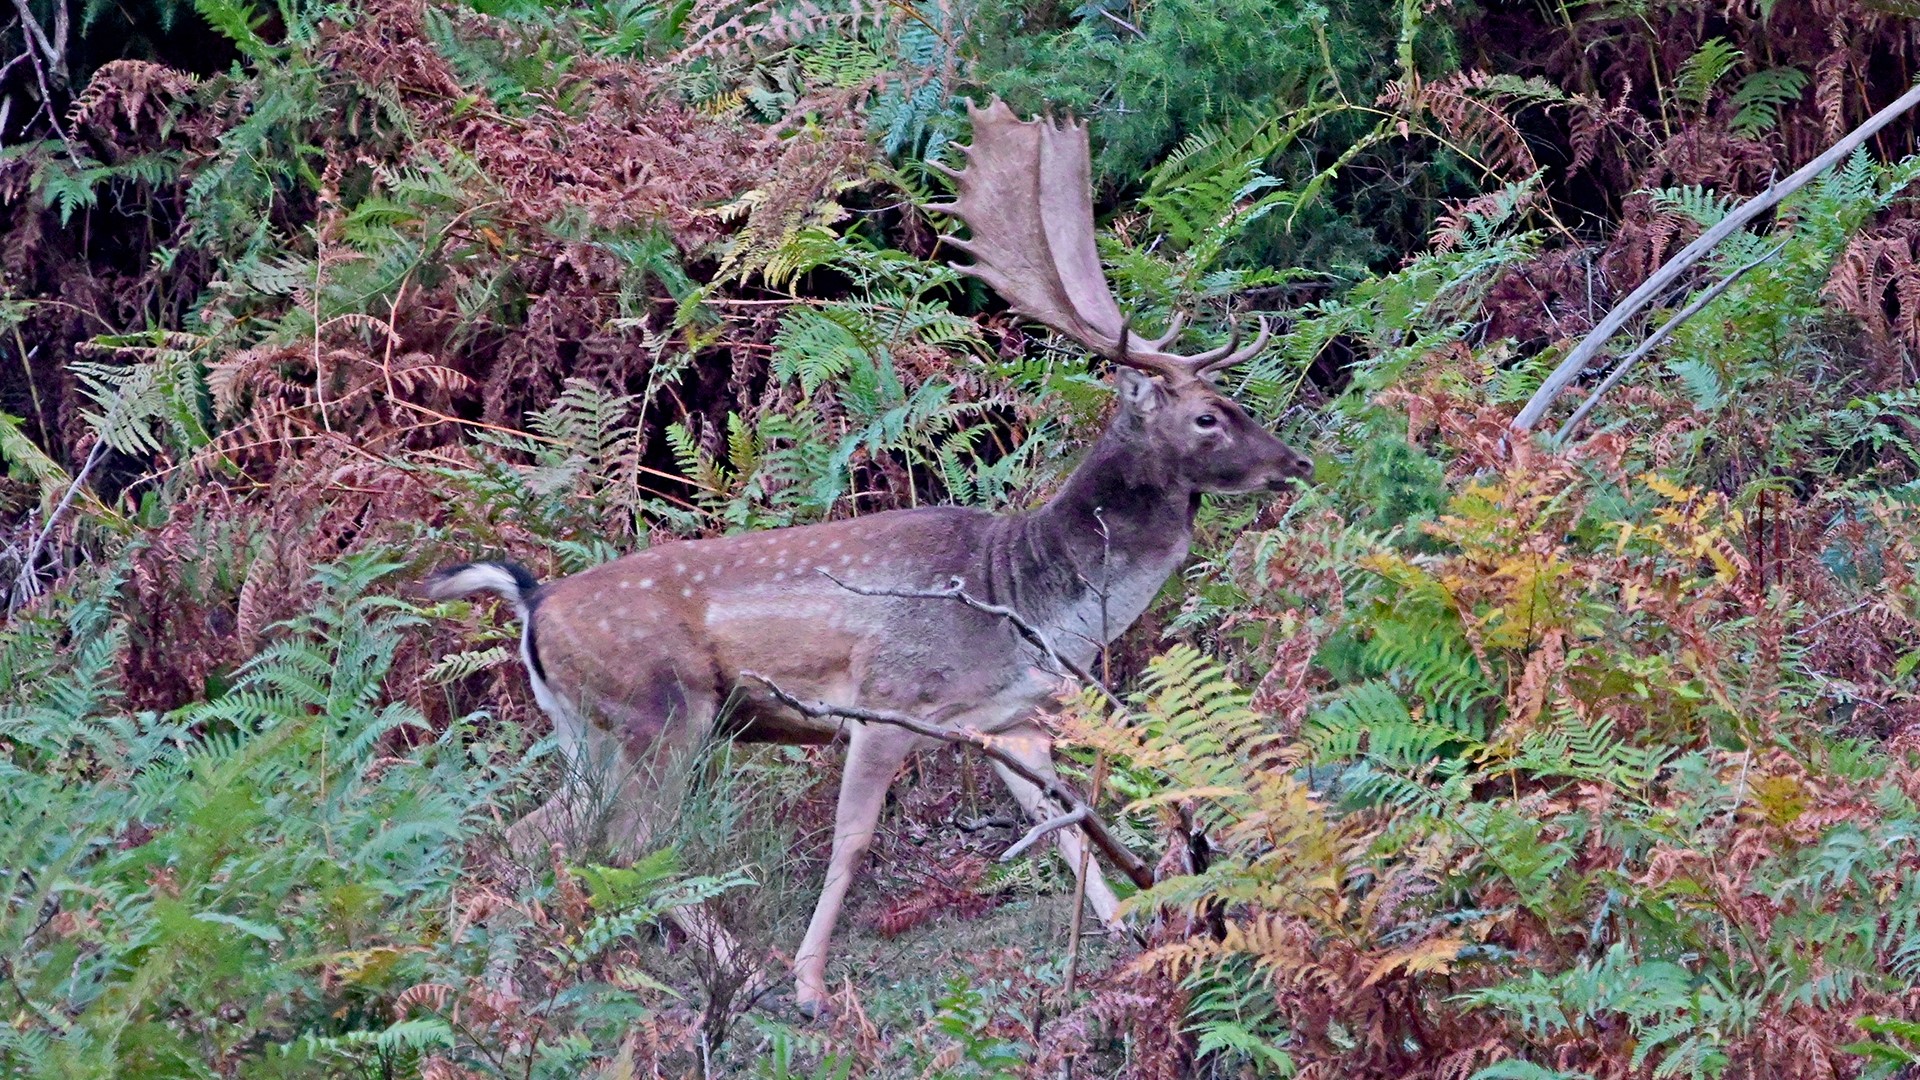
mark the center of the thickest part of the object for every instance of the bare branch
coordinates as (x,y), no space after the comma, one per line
(1043,830)
(1590,346)
(1097,832)
(1099,756)
(1124,24)
(36,35)
(1654,339)
(28,585)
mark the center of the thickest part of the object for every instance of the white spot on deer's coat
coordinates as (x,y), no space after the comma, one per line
(679,568)
(688,593)
(699,577)
(835,546)
(866,559)
(646,583)
(780,575)
(846,560)
(624,583)
(605,626)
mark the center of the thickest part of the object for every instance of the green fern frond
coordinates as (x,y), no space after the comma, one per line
(456,666)
(26,462)
(1702,71)
(1697,204)
(1759,97)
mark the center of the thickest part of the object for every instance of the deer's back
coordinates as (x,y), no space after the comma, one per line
(671,629)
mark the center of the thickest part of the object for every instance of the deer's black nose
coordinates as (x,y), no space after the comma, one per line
(1293,465)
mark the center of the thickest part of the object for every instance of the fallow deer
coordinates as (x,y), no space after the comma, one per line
(642,658)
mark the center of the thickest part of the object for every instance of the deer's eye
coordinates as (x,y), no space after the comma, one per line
(1206,421)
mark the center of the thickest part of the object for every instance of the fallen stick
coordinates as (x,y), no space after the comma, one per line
(1043,830)
(1584,353)
(1097,832)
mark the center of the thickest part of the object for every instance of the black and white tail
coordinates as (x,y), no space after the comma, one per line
(510,580)
(521,588)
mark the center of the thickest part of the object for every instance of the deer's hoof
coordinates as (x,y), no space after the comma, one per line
(812,1003)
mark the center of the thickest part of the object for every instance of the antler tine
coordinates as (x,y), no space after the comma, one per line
(1240,356)
(949,172)
(1174,326)
(1150,360)
(1201,362)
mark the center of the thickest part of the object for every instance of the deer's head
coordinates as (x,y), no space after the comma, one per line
(1196,438)
(1027,196)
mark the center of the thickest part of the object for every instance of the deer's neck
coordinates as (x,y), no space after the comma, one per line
(1085,565)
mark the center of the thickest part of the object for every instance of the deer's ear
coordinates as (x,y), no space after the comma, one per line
(1140,391)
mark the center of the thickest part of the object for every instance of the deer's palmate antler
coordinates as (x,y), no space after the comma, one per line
(1027,196)
(641,660)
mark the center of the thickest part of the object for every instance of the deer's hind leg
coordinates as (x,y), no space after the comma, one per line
(628,765)
(627,759)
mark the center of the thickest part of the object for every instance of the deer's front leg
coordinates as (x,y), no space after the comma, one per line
(1030,746)
(874,755)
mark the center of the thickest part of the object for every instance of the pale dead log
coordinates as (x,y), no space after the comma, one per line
(1589,347)
(1653,341)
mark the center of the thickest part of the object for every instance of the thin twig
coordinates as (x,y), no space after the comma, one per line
(1043,830)
(4,70)
(1841,614)
(990,821)
(37,35)
(46,102)
(1707,296)
(320,372)
(1590,346)
(1126,861)
(29,578)
(1124,24)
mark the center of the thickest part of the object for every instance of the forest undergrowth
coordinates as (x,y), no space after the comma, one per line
(1482,756)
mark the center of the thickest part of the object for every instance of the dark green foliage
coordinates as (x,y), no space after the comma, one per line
(1186,68)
